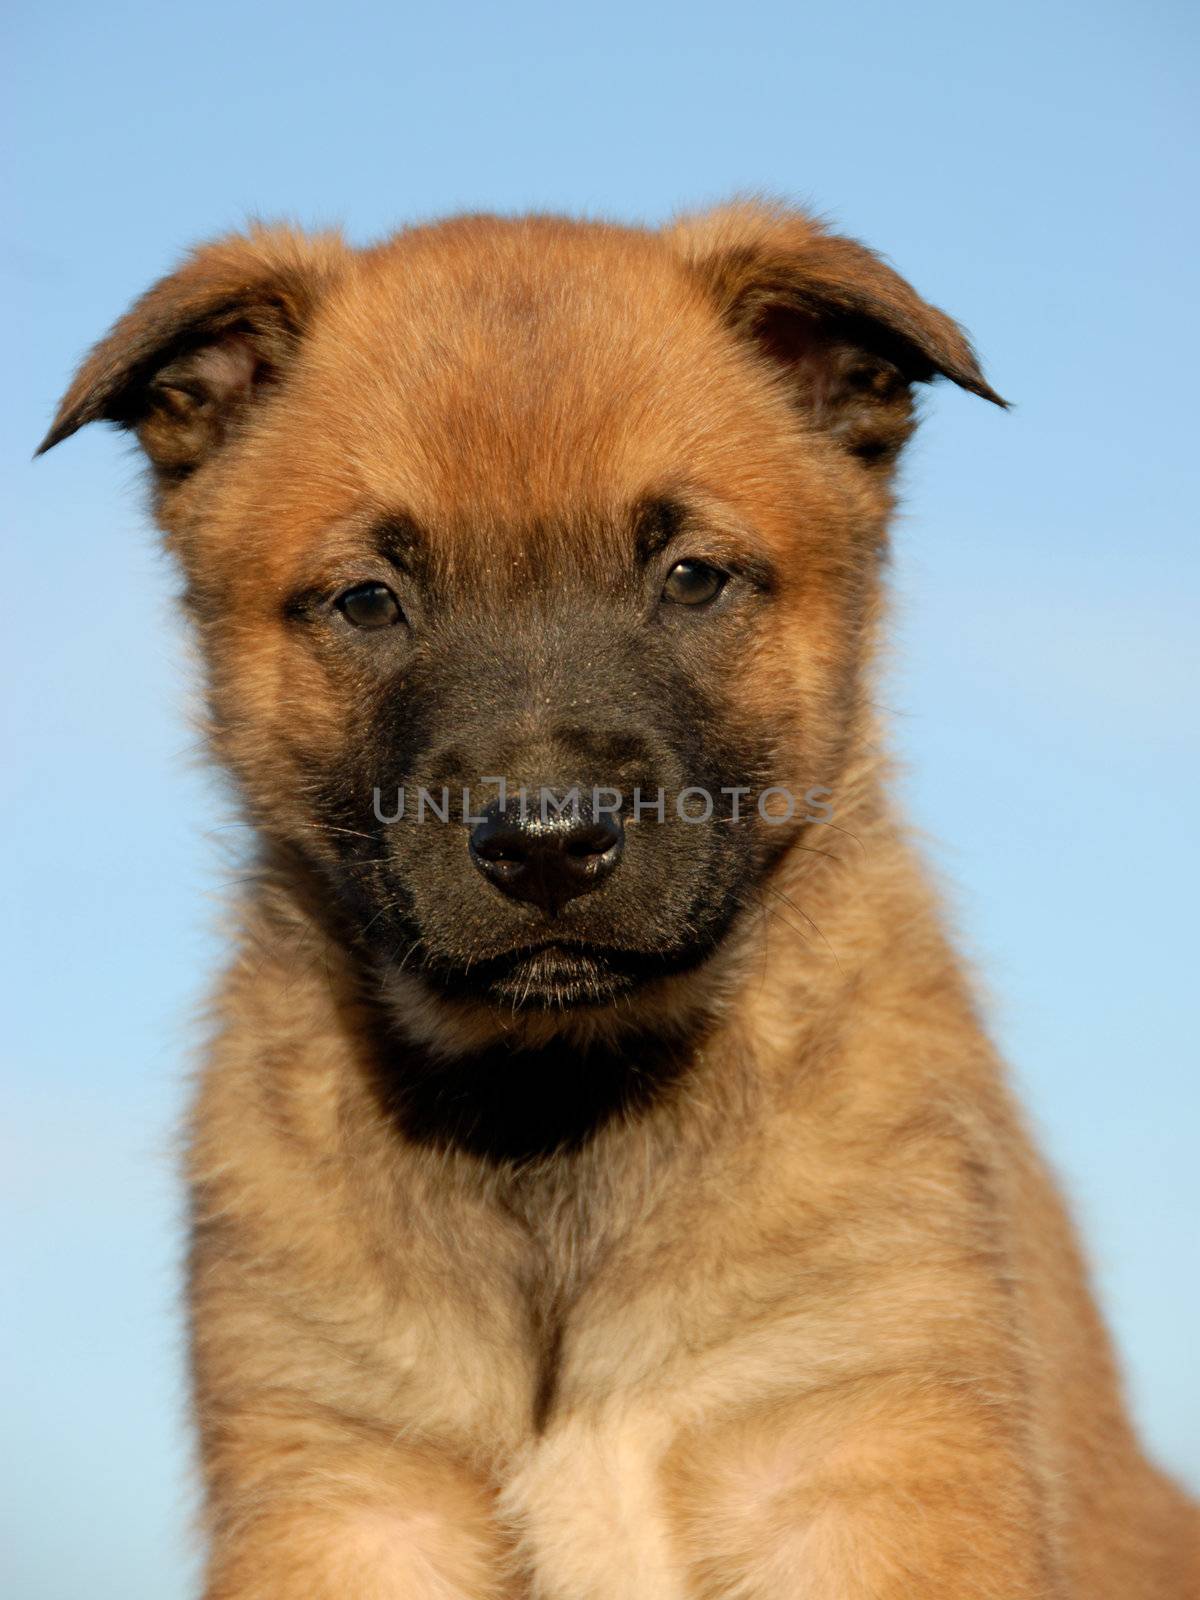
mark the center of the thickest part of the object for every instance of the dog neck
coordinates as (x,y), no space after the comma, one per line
(517,1105)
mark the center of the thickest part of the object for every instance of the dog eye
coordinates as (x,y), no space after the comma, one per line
(369,605)
(693,583)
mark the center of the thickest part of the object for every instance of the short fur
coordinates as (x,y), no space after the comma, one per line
(704,1254)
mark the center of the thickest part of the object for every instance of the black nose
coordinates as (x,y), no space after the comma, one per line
(546,860)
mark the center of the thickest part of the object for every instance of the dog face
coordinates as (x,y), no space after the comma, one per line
(534,565)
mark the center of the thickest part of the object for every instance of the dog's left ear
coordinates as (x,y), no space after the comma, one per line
(186,365)
(846,332)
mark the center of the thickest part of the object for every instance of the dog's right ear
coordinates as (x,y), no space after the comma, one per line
(184,365)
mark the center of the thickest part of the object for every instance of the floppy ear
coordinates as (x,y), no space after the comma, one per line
(847,333)
(185,363)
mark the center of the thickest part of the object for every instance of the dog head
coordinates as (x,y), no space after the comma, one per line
(534,565)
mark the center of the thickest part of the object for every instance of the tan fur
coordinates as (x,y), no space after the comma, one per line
(820,1328)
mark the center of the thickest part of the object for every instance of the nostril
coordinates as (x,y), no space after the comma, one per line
(596,839)
(496,848)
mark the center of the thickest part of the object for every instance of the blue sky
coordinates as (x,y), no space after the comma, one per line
(1032,168)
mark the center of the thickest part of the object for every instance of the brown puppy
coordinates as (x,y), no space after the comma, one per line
(615,1199)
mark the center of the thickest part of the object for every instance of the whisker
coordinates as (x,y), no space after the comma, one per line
(770,887)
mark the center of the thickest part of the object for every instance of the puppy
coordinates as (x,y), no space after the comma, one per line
(602,1187)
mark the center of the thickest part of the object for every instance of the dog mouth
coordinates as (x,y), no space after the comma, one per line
(558,975)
